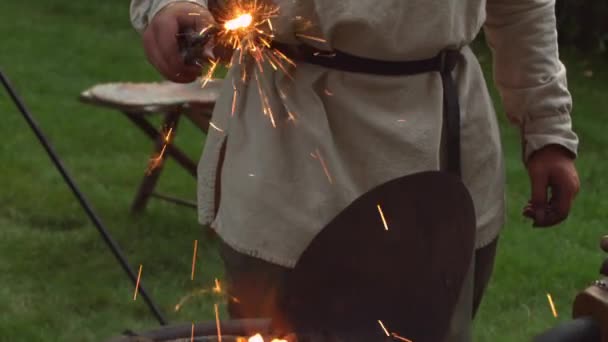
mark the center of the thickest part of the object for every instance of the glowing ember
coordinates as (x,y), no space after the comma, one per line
(400,338)
(394,335)
(382,217)
(241,22)
(186,298)
(234,96)
(317,155)
(215,127)
(217,288)
(157,161)
(217,323)
(247,29)
(383,328)
(137,284)
(213,291)
(316,39)
(209,76)
(552,305)
(194,259)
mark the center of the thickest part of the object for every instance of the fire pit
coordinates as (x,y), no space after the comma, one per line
(245,331)
(370,278)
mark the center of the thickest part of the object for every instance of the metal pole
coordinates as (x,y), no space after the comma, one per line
(83,201)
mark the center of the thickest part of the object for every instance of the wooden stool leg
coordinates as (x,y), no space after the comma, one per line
(149,181)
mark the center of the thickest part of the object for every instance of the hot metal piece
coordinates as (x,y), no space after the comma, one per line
(194,46)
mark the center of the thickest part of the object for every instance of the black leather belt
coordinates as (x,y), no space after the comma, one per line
(444,63)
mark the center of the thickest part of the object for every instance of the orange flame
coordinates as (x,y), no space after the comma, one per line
(259,338)
(256,338)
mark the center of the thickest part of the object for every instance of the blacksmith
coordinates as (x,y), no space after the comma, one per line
(268,191)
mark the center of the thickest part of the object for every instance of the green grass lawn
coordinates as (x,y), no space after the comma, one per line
(59,282)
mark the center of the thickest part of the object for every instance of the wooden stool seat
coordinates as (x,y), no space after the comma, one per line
(137,101)
(152,97)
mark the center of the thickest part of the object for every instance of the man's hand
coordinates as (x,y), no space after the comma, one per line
(552,167)
(161,44)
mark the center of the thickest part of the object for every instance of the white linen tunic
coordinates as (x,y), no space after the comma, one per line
(339,134)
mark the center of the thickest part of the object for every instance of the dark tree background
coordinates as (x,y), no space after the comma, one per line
(583,24)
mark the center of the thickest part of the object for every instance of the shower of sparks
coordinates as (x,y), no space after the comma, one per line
(552,305)
(192,334)
(400,338)
(137,283)
(317,155)
(266,109)
(246,28)
(383,328)
(156,162)
(194,259)
(217,323)
(382,217)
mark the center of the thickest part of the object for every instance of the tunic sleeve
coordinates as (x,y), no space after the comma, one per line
(529,75)
(142,11)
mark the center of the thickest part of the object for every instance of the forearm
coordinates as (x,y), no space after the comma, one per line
(528,73)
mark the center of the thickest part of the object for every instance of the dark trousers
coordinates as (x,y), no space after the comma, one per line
(254,285)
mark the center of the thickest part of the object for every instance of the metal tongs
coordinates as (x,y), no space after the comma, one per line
(195,46)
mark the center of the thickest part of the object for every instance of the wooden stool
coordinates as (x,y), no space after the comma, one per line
(138,101)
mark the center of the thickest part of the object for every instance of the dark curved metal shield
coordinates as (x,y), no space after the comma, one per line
(357,272)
